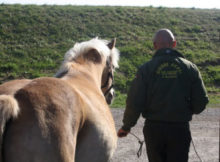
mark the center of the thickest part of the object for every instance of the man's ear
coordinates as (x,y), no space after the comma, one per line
(174,44)
(111,45)
(93,55)
(155,45)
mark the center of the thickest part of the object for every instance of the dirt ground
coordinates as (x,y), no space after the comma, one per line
(205,134)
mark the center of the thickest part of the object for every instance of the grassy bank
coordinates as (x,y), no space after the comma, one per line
(33,39)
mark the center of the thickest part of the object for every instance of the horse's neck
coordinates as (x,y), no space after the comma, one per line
(86,73)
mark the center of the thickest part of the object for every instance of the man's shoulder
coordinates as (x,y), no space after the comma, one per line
(176,53)
(188,63)
(146,65)
(184,60)
(154,61)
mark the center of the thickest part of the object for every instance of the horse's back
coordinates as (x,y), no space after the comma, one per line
(46,127)
(10,87)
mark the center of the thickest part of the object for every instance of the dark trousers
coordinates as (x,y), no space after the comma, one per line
(167,141)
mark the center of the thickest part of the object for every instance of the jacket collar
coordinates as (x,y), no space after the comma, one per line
(167,52)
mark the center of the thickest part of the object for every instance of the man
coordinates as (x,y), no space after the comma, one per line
(167,91)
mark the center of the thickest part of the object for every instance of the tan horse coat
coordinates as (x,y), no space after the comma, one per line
(11,87)
(62,120)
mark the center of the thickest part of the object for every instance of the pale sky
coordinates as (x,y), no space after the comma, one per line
(155,3)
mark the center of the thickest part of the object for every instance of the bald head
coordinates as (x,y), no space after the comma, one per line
(164,38)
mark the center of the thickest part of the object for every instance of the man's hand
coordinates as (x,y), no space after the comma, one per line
(122,133)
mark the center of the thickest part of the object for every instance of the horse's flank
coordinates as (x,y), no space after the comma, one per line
(66,119)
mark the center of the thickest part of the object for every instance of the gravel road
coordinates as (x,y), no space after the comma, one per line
(205,134)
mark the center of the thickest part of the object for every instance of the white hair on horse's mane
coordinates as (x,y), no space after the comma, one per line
(95,43)
(82,48)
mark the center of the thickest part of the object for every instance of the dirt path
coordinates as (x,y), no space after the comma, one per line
(205,134)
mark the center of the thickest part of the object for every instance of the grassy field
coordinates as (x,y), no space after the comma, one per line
(33,39)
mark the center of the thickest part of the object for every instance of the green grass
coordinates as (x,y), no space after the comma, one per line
(33,39)
(119,101)
(214,100)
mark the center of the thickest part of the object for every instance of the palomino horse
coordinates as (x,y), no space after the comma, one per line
(64,119)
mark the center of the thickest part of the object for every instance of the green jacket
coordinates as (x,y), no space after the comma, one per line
(167,88)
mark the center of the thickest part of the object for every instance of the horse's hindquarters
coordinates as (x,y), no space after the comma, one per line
(27,139)
(46,128)
(25,143)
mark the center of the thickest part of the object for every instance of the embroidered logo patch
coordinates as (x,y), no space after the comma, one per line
(168,70)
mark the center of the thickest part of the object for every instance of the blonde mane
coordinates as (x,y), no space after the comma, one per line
(79,49)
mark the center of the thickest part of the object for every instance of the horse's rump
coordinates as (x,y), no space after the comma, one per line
(46,125)
(9,88)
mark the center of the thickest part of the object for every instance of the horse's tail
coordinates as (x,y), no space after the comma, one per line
(8,109)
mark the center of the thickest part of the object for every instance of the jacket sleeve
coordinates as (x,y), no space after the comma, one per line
(135,101)
(199,97)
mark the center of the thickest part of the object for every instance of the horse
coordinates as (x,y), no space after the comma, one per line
(64,118)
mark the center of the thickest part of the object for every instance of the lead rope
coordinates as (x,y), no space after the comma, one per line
(139,153)
(196,151)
